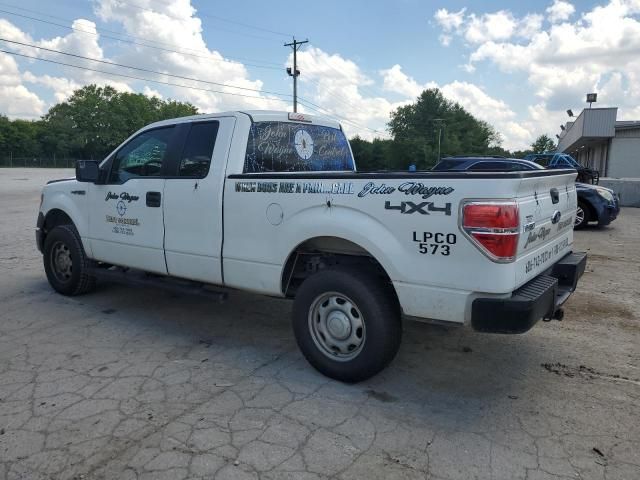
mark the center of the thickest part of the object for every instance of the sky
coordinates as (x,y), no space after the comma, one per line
(518,66)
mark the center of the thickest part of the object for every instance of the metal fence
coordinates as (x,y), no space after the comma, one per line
(38,162)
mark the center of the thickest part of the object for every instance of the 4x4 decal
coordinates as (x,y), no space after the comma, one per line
(423,208)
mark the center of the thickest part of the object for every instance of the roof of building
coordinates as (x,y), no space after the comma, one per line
(627,124)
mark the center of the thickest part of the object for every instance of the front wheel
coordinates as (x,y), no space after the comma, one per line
(582,216)
(347,324)
(65,262)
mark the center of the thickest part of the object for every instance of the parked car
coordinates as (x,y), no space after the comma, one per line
(595,203)
(488,163)
(271,202)
(564,160)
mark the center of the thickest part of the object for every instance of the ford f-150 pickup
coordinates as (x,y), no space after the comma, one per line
(271,202)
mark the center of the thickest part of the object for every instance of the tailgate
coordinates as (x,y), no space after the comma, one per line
(547,208)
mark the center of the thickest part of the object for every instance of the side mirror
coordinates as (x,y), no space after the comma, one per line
(87,171)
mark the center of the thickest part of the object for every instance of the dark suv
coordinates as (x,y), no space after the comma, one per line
(595,204)
(564,160)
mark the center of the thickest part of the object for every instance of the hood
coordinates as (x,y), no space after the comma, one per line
(60,180)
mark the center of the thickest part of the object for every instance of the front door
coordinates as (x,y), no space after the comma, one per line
(126,225)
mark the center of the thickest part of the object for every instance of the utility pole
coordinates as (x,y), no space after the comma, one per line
(295,45)
(439,122)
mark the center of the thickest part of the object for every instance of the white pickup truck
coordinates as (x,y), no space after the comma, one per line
(271,203)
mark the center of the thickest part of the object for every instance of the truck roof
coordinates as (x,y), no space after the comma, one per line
(255,115)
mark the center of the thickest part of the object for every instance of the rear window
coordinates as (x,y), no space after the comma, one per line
(296,147)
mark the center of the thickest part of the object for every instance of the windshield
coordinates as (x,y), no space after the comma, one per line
(296,147)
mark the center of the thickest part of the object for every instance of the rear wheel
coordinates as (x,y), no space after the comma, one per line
(582,216)
(347,324)
(65,262)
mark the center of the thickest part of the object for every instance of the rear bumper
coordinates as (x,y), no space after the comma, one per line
(539,298)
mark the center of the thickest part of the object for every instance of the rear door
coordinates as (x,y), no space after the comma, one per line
(547,206)
(193,201)
(126,224)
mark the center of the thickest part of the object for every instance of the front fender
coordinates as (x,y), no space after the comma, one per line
(61,200)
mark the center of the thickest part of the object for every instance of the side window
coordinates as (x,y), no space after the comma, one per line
(198,149)
(142,156)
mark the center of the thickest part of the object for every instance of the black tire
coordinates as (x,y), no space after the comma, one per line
(376,308)
(65,262)
(582,219)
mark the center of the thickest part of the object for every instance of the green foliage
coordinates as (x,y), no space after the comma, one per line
(20,137)
(418,127)
(371,156)
(90,124)
(543,144)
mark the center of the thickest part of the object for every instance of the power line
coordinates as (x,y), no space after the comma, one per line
(102,29)
(106,62)
(206,57)
(340,117)
(328,113)
(133,77)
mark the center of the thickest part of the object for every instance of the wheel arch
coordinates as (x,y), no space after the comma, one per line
(592,211)
(59,209)
(322,252)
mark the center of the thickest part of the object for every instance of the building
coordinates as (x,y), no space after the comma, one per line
(597,140)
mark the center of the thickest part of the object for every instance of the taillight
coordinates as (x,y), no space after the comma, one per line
(493,227)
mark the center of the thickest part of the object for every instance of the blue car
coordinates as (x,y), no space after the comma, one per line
(595,203)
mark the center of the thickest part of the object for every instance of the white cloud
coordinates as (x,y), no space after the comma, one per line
(83,40)
(450,21)
(395,80)
(150,92)
(16,101)
(560,11)
(490,26)
(477,29)
(62,87)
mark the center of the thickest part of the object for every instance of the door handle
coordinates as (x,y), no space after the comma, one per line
(154,199)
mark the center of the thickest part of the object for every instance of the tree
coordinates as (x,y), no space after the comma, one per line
(95,120)
(543,144)
(370,156)
(417,128)
(19,138)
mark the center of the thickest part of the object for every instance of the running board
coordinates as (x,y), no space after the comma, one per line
(144,279)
